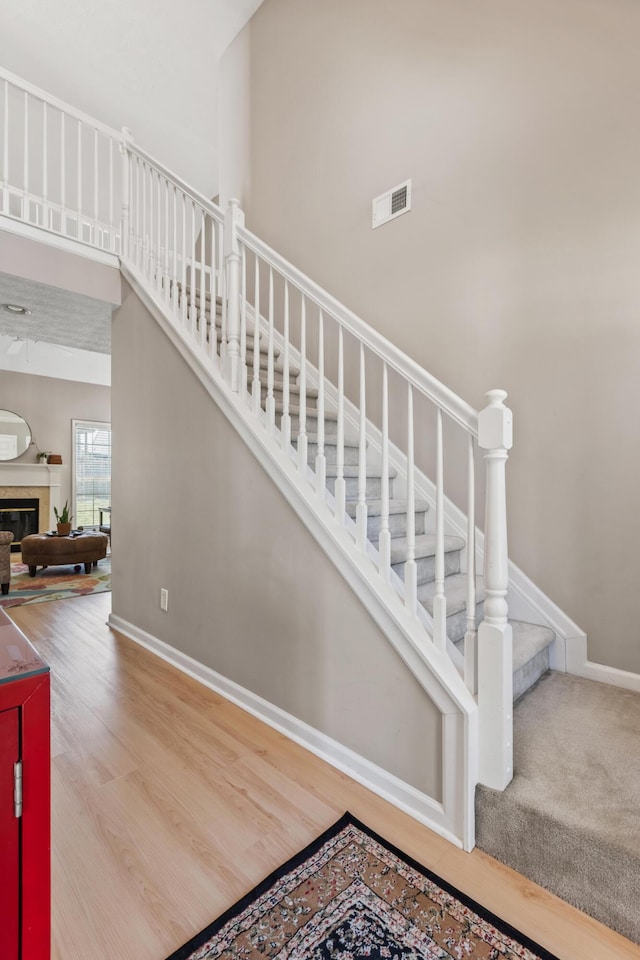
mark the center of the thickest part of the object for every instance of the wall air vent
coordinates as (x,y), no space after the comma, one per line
(391,204)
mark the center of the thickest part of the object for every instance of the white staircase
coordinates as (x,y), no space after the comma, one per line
(531,642)
(355,434)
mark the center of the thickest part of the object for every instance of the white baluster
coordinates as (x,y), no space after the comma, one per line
(202,317)
(174,272)
(166,283)
(361,508)
(285,422)
(26,205)
(439,599)
(270,405)
(243,325)
(45,185)
(126,196)
(321,460)
(234,219)
(152,252)
(95,186)
(471,635)
(139,223)
(183,272)
(79,161)
(212,333)
(384,542)
(158,204)
(63,174)
(255,384)
(144,245)
(222,274)
(410,568)
(193,317)
(112,244)
(340,490)
(302,386)
(495,654)
(5,151)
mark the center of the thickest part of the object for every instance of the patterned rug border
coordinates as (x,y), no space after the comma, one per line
(58,582)
(347,819)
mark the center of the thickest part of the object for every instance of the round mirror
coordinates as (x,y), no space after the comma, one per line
(15,435)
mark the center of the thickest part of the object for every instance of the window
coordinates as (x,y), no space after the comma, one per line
(91,451)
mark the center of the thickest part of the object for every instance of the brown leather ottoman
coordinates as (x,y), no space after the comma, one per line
(40,550)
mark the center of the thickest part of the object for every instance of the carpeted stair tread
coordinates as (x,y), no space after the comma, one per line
(374,507)
(353,471)
(569,819)
(529,639)
(294,388)
(294,410)
(425,546)
(329,441)
(455,589)
(278,367)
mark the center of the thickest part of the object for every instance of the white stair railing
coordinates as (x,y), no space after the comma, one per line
(224,291)
(59,166)
(487,652)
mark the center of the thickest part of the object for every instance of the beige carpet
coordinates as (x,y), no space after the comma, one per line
(570,820)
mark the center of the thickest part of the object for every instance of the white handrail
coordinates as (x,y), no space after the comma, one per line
(61,105)
(449,402)
(208,205)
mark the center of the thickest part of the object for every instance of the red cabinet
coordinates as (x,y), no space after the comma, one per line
(25,926)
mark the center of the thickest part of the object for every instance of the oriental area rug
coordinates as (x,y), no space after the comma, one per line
(55,583)
(350,895)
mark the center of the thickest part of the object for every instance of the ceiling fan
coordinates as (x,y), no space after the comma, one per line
(19,343)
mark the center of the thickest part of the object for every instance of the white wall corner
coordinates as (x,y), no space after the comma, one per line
(579,665)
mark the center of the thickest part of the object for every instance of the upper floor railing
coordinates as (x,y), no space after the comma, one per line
(60,167)
(326,382)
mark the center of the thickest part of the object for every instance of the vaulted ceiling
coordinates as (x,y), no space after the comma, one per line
(150,65)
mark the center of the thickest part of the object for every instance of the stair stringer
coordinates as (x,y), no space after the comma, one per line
(526,601)
(453,816)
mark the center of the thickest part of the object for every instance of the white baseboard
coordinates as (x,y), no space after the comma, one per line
(402,795)
(580,666)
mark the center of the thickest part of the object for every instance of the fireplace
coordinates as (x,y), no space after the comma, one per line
(21,517)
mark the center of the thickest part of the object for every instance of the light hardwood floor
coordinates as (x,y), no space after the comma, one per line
(169,803)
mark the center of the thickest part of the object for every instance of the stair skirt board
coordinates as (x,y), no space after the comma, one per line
(433,670)
(422,808)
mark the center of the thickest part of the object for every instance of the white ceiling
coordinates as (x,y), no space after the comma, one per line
(150,65)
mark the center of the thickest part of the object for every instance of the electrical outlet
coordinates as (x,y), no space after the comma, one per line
(164,598)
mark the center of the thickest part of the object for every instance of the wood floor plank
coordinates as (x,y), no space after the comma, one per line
(169,803)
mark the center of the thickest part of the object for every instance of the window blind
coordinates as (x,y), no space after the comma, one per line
(91,471)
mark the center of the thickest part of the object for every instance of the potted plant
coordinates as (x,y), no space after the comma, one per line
(43,457)
(64,519)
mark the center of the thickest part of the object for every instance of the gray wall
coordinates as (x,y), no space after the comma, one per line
(49,405)
(251,594)
(518,265)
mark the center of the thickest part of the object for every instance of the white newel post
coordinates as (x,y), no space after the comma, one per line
(495,653)
(234,218)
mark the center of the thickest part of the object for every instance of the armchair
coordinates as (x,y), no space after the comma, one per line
(105,522)
(6,539)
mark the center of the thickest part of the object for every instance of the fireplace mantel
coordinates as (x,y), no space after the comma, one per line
(32,476)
